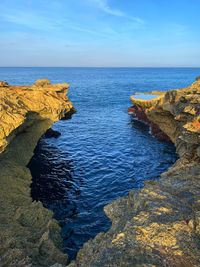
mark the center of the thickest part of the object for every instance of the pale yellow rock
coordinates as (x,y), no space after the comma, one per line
(45,99)
(29,236)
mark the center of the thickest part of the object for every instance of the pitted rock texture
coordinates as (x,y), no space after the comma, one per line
(16,102)
(28,234)
(177,113)
(158,225)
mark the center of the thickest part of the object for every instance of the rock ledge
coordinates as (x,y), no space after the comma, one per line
(28,234)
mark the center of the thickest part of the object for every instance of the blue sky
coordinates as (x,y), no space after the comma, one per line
(128,33)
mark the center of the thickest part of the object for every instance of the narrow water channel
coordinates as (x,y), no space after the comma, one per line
(101,154)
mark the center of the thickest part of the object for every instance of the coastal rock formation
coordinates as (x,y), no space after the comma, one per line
(20,105)
(28,234)
(158,225)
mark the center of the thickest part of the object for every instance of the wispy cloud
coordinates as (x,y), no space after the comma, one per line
(105,7)
(45,24)
(48,24)
(28,20)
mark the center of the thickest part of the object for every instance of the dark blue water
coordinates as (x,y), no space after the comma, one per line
(101,154)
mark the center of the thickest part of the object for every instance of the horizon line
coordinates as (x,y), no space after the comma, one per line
(197,67)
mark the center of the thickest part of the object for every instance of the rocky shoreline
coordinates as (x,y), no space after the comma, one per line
(160,224)
(28,234)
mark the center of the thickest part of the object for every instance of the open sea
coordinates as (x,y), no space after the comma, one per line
(101,154)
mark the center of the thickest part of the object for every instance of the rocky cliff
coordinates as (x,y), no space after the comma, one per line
(160,224)
(28,234)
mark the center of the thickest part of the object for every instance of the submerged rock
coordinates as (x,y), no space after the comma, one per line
(158,225)
(50,133)
(28,234)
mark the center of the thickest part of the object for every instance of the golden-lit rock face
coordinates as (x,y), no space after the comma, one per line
(177,113)
(17,102)
(28,234)
(158,225)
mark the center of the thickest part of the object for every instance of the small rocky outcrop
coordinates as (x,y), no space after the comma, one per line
(177,114)
(158,225)
(3,84)
(28,234)
(50,133)
(42,83)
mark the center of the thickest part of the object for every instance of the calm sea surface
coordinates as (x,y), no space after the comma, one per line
(101,154)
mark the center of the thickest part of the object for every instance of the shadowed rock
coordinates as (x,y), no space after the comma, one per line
(3,84)
(198,78)
(28,234)
(50,133)
(49,101)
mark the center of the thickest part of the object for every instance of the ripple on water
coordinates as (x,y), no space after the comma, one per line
(67,171)
(76,177)
(101,154)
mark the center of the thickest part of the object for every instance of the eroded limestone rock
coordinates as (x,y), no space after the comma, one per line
(49,101)
(28,234)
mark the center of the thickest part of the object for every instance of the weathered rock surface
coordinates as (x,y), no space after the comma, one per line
(160,224)
(28,234)
(19,102)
